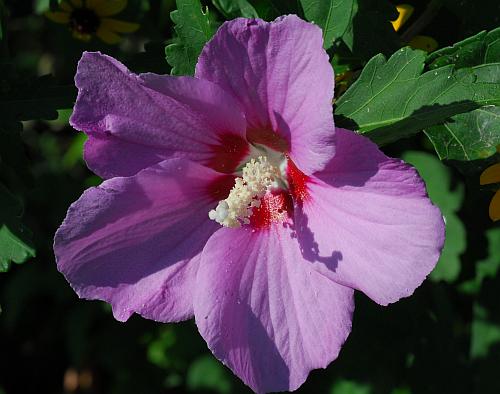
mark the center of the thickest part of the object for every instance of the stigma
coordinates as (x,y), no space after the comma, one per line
(258,177)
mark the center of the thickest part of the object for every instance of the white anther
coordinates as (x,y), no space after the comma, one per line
(258,176)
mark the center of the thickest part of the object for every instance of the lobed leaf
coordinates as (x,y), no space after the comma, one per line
(194,28)
(15,242)
(469,136)
(392,99)
(333,16)
(484,47)
(235,8)
(473,135)
(370,31)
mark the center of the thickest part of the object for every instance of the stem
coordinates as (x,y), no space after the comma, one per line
(430,12)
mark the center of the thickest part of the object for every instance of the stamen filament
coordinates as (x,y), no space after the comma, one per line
(258,175)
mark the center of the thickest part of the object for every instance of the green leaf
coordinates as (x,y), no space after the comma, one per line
(392,99)
(369,31)
(470,136)
(36,98)
(265,9)
(333,16)
(482,48)
(14,165)
(437,179)
(194,28)
(15,242)
(473,135)
(152,59)
(235,8)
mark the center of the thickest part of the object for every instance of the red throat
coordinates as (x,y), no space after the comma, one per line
(297,182)
(229,153)
(275,207)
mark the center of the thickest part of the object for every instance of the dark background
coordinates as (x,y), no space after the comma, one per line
(443,339)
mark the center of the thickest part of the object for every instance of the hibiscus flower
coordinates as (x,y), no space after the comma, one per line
(231,197)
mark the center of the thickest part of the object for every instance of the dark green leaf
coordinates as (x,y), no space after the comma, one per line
(333,16)
(284,7)
(194,28)
(370,31)
(15,242)
(235,8)
(473,135)
(393,99)
(265,9)
(14,165)
(151,60)
(482,48)
(36,98)
(469,136)
(437,179)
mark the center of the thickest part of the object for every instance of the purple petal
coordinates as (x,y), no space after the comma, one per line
(265,312)
(135,242)
(281,75)
(369,223)
(109,156)
(160,114)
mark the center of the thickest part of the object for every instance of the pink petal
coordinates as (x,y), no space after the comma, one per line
(161,114)
(368,222)
(265,312)
(281,75)
(135,242)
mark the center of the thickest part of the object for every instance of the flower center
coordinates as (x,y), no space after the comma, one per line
(259,175)
(84,20)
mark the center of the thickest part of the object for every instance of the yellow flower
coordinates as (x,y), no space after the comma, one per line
(489,176)
(405,11)
(424,43)
(88,17)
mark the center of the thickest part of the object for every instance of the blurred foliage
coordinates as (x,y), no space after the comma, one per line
(444,339)
(437,179)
